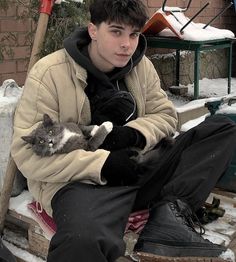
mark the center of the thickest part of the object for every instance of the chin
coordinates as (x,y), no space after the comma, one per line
(121,64)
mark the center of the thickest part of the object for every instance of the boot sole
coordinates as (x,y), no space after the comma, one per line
(146,257)
(180,251)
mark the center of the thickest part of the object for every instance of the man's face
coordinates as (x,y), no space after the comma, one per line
(112,44)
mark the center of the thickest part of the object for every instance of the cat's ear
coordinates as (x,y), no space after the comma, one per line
(47,121)
(28,139)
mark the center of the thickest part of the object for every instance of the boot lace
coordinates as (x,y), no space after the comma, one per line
(191,220)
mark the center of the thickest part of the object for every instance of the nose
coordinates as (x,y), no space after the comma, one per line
(125,43)
(50,142)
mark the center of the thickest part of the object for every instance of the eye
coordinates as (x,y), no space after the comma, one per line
(135,35)
(50,132)
(116,32)
(41,141)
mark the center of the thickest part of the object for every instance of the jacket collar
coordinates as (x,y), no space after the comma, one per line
(80,72)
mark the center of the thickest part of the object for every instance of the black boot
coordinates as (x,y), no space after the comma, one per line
(170,232)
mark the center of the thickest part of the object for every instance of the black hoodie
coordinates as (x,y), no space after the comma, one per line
(108,94)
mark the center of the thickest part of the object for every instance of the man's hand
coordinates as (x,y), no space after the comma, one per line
(119,169)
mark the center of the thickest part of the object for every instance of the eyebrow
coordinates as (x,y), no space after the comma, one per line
(122,27)
(116,26)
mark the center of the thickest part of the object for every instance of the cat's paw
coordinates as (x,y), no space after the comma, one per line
(94,130)
(108,125)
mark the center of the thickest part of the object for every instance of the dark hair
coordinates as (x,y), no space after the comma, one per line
(128,12)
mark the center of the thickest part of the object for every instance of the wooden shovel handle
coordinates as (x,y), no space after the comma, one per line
(6,190)
(39,38)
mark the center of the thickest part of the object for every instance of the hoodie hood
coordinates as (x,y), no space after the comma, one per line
(77,47)
(107,92)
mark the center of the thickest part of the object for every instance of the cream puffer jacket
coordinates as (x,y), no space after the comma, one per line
(55,85)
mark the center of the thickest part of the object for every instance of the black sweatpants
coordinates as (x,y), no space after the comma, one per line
(91,219)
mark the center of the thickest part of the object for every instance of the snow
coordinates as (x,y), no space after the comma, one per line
(10,92)
(210,90)
(19,203)
(192,32)
(228,255)
(24,255)
(219,231)
(222,230)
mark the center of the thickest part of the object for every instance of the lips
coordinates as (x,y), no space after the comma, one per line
(123,55)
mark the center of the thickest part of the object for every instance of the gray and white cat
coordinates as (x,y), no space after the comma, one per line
(51,137)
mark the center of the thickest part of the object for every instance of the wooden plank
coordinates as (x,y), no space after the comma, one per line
(38,244)
(21,253)
(20,217)
(20,259)
(152,258)
(225,195)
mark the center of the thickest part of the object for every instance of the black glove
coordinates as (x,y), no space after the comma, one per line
(122,137)
(119,169)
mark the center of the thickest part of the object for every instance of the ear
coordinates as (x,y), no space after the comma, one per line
(47,121)
(28,139)
(92,30)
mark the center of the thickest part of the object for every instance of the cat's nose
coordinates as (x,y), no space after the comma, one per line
(50,143)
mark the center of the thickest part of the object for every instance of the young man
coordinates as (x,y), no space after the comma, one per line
(102,74)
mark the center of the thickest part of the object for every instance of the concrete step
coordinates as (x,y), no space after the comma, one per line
(190,114)
(190,111)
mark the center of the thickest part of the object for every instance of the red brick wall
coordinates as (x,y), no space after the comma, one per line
(15,65)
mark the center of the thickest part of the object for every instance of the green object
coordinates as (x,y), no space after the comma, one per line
(210,212)
(213,106)
(197,47)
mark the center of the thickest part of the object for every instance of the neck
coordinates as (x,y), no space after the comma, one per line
(97,60)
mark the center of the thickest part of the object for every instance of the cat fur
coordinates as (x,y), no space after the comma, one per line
(51,137)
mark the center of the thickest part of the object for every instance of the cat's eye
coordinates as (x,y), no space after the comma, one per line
(41,141)
(50,132)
